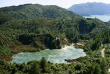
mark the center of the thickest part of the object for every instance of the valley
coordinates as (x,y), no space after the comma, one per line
(40,43)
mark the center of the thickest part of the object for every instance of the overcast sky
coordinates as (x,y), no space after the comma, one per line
(61,3)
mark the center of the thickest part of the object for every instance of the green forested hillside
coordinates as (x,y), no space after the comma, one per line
(24,30)
(101,38)
(20,34)
(33,11)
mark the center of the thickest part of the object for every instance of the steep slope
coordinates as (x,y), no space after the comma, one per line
(34,35)
(33,11)
(91,8)
(37,34)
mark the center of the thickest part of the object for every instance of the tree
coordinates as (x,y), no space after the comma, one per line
(97,70)
(35,69)
(103,66)
(4,18)
(44,65)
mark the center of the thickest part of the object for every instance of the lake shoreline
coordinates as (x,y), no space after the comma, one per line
(51,55)
(4,58)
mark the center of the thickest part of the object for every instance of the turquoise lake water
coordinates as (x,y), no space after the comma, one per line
(54,56)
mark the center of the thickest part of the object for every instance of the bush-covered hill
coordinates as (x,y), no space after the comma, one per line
(28,31)
(33,11)
(39,34)
(21,35)
(91,8)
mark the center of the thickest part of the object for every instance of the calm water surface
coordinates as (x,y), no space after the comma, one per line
(104,18)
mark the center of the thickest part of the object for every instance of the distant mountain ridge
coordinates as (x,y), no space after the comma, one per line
(33,11)
(91,8)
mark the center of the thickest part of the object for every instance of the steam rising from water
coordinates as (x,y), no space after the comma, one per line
(54,56)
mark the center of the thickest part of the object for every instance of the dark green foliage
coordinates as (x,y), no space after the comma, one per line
(4,45)
(5,51)
(107,55)
(94,44)
(33,11)
(44,65)
(103,65)
(52,43)
(102,38)
(97,70)
(25,33)
(107,52)
(72,36)
(85,26)
(25,39)
(35,69)
(4,18)
(17,33)
(87,65)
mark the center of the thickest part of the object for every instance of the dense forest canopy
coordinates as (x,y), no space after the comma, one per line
(34,11)
(33,27)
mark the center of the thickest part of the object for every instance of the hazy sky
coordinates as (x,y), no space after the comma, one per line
(61,3)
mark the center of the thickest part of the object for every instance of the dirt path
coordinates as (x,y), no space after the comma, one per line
(103,55)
